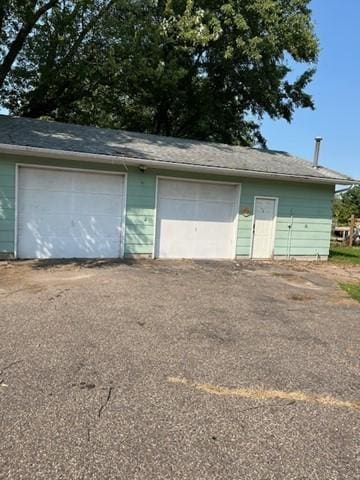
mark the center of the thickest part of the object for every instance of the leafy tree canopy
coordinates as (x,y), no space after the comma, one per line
(205,69)
(347,204)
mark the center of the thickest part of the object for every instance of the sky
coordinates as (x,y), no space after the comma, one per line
(336,92)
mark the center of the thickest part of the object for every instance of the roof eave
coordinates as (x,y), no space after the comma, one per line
(133,161)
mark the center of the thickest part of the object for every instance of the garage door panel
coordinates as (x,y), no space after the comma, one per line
(197,210)
(195,219)
(94,229)
(93,204)
(185,240)
(188,246)
(176,210)
(31,202)
(40,179)
(67,202)
(61,180)
(96,226)
(55,220)
(57,247)
(92,182)
(215,212)
(99,225)
(188,190)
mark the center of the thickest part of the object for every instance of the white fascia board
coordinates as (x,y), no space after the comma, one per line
(165,165)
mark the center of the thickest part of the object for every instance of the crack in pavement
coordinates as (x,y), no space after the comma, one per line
(7,368)
(92,427)
(103,406)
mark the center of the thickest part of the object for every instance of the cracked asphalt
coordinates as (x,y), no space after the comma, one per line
(89,352)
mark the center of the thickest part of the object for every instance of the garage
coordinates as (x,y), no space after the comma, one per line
(196,219)
(78,191)
(69,213)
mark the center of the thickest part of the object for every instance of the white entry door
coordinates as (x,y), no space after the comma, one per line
(264,227)
(196,219)
(69,213)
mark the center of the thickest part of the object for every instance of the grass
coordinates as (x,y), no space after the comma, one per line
(353,289)
(339,253)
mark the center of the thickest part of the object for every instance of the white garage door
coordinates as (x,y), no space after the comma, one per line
(66,214)
(196,219)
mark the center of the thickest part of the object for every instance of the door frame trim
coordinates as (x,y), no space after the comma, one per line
(263,197)
(18,165)
(238,186)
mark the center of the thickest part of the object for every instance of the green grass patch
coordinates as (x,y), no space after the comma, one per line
(353,289)
(345,254)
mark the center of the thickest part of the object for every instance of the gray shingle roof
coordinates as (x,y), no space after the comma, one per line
(167,150)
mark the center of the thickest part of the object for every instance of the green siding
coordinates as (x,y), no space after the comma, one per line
(306,206)
(7,206)
(140,213)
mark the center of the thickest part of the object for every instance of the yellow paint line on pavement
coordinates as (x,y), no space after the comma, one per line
(260,394)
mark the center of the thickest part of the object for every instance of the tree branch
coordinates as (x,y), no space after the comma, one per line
(20,39)
(92,22)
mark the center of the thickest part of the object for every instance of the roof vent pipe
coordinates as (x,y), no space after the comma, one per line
(316,152)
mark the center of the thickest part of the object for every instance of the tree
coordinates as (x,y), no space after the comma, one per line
(347,204)
(203,69)
(26,15)
(45,67)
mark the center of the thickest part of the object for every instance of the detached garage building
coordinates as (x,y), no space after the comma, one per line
(73,191)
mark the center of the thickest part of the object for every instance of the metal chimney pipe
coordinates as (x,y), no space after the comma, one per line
(316,152)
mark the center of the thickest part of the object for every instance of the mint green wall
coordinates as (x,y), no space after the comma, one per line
(140,213)
(306,206)
(7,206)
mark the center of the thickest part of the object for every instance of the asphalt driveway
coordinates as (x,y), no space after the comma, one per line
(183,370)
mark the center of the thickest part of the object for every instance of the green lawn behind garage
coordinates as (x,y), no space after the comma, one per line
(345,254)
(349,255)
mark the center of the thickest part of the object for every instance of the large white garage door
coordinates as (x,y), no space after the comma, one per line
(196,219)
(66,214)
